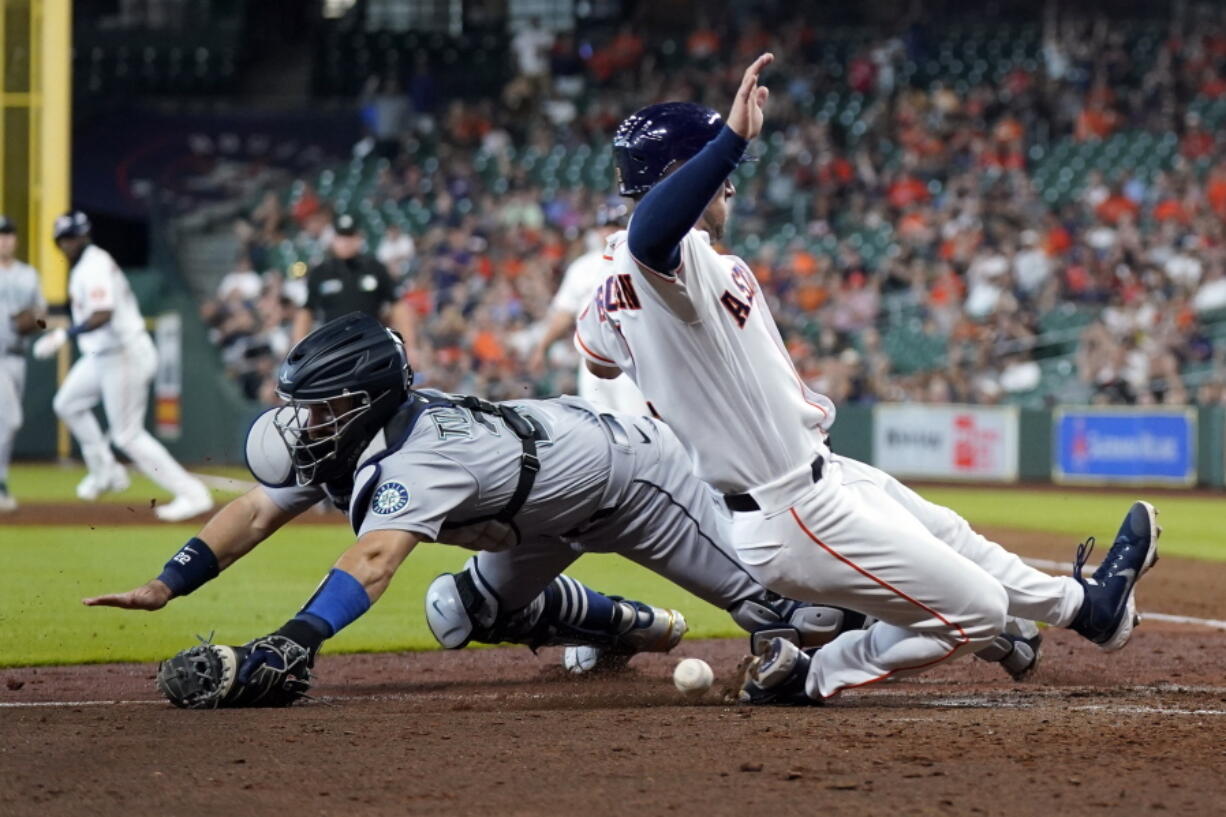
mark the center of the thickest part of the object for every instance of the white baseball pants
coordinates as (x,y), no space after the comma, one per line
(12,384)
(120,379)
(860,539)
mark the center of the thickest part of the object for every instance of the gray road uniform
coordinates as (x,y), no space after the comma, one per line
(607,483)
(19,291)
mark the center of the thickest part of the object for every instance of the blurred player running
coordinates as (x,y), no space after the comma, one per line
(116,366)
(21,307)
(694,330)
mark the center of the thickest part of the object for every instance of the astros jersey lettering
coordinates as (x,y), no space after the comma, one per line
(580,281)
(703,348)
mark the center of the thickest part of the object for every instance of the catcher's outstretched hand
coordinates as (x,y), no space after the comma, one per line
(152,595)
(745,118)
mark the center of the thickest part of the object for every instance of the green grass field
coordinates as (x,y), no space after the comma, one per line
(49,569)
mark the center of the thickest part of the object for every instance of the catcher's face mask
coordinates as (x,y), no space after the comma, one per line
(318,433)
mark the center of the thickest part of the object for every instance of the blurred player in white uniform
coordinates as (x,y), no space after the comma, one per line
(21,306)
(694,330)
(116,366)
(582,277)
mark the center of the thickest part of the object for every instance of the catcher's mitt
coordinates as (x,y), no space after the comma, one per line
(206,675)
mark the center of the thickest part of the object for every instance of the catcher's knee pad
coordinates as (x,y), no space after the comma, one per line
(804,624)
(460,609)
(455,609)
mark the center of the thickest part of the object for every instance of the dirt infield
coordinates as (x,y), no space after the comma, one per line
(505,732)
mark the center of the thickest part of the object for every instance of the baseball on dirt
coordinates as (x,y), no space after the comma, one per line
(693,676)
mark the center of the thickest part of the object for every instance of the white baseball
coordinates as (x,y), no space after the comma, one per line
(693,676)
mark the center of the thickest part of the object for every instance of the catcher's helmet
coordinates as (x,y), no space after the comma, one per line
(342,383)
(650,142)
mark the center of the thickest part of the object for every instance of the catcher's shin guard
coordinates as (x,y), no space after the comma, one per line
(806,625)
(652,629)
(460,609)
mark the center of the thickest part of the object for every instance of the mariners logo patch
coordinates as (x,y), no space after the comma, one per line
(389,498)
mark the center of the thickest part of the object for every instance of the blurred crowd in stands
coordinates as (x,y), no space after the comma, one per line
(974,255)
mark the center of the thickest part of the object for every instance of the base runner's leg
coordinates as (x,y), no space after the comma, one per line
(74,403)
(669,522)
(1033,594)
(832,545)
(125,396)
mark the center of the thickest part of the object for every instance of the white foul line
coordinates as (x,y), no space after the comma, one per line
(228,484)
(32,704)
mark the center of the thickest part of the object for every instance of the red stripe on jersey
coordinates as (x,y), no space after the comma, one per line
(585,348)
(964,639)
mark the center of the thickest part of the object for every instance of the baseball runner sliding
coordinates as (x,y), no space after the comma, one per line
(694,331)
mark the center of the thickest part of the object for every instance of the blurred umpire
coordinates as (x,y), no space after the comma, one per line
(21,307)
(351,280)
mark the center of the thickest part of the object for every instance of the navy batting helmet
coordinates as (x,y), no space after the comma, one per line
(652,141)
(72,223)
(342,383)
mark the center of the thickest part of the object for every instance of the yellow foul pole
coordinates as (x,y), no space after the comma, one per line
(50,134)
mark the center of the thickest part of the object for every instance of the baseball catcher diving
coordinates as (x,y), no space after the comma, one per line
(529,484)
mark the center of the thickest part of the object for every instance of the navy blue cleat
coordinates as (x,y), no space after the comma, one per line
(777,678)
(1109,612)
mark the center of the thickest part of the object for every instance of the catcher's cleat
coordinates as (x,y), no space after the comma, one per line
(777,678)
(652,629)
(1018,656)
(589,659)
(1109,613)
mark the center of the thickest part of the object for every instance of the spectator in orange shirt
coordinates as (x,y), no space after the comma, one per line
(1171,209)
(1116,206)
(1196,142)
(1057,241)
(307,205)
(487,347)
(1215,190)
(802,262)
(906,190)
(1095,122)
(703,43)
(1212,85)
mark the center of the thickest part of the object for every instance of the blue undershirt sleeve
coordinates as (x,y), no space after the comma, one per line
(672,207)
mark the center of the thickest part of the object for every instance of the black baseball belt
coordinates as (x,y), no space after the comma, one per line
(744,503)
